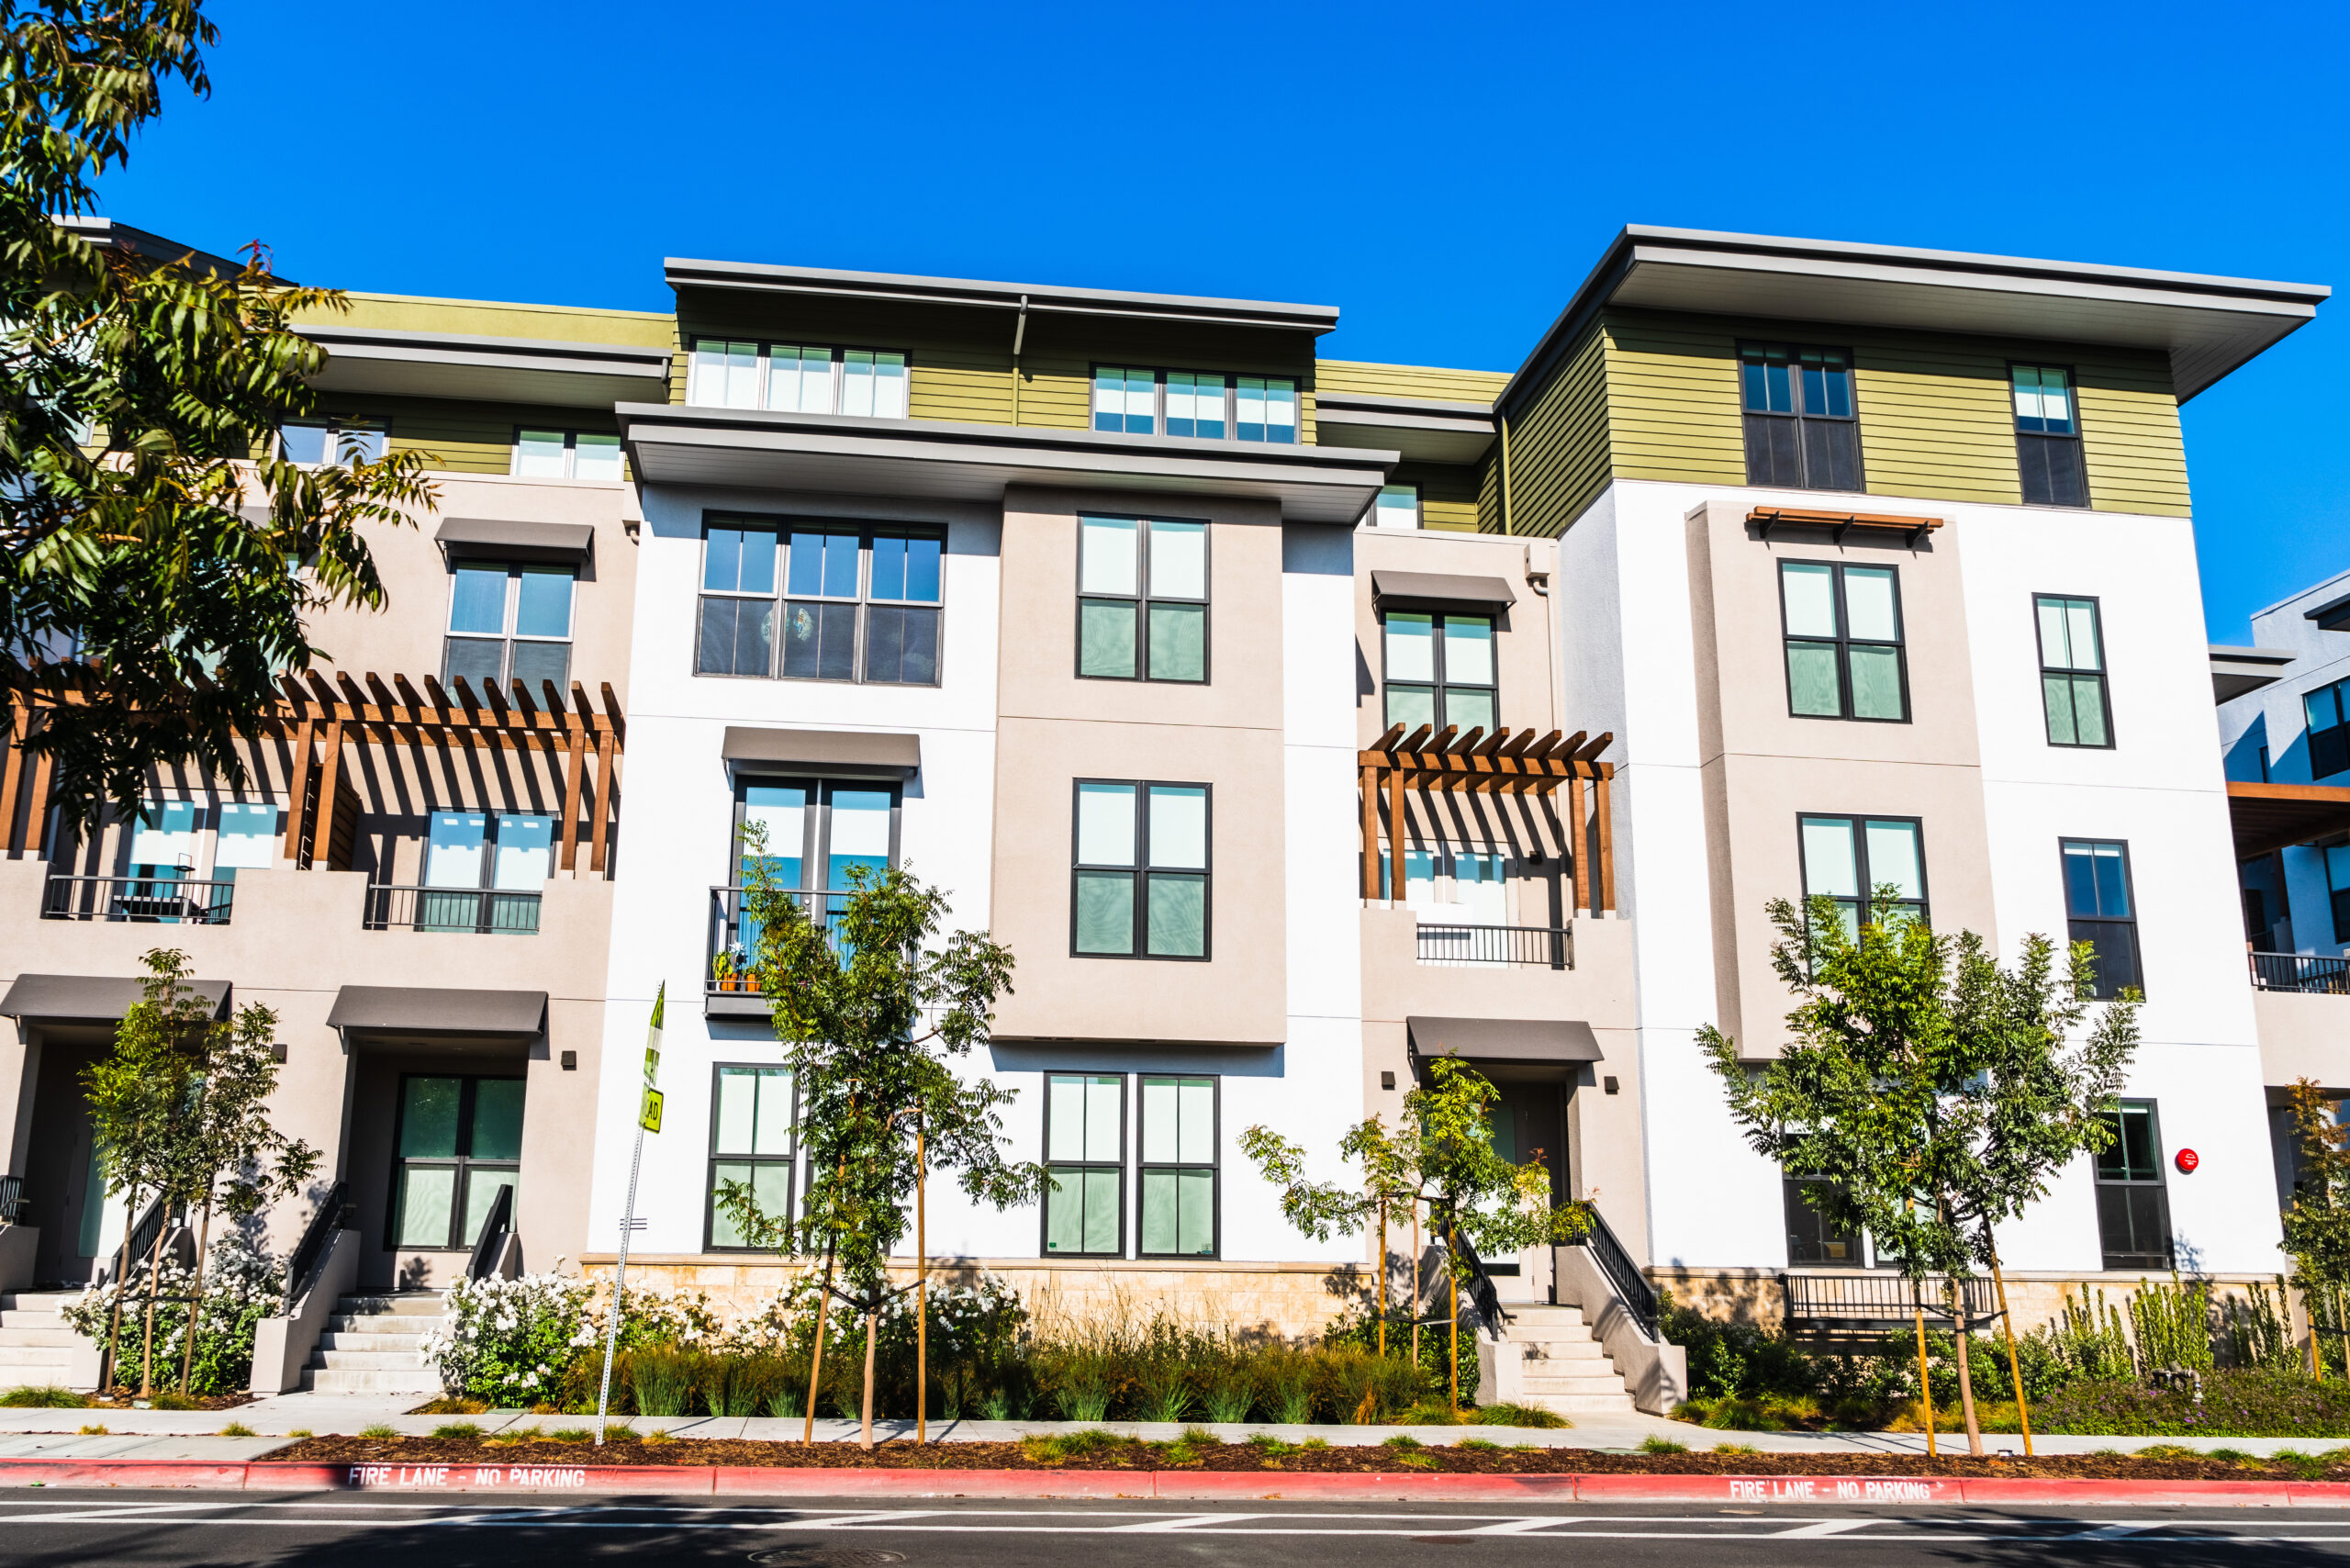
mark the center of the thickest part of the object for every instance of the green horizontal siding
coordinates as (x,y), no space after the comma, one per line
(1559,454)
(1449,493)
(489,318)
(462,436)
(1409,381)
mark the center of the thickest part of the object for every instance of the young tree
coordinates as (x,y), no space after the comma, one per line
(2317,1227)
(1441,1153)
(1934,1091)
(159,552)
(873,1010)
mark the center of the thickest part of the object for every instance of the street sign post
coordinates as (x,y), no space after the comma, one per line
(648,1120)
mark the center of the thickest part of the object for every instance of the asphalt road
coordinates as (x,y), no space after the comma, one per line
(183,1530)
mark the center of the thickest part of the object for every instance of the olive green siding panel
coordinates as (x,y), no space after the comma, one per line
(1410,381)
(2130,439)
(462,437)
(485,319)
(1558,458)
(1673,400)
(1449,493)
(1936,421)
(1489,492)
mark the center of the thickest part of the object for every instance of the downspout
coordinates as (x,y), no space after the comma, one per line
(1019,334)
(1505,508)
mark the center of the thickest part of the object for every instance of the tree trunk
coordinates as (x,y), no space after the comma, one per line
(816,1360)
(154,1268)
(1964,1339)
(195,1300)
(108,1370)
(864,1430)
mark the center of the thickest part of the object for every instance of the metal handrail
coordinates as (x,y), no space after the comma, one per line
(1624,1276)
(726,915)
(12,1198)
(1533,946)
(310,1257)
(2301,972)
(137,1245)
(484,912)
(496,1226)
(1884,1297)
(1481,1293)
(161,900)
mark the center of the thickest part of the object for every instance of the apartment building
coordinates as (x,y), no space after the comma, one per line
(1293,720)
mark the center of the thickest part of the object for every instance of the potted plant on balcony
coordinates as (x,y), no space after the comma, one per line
(722,973)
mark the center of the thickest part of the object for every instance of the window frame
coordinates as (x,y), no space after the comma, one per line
(336,426)
(2044,441)
(780,597)
(511,617)
(1800,417)
(1863,1256)
(1125,1143)
(1441,683)
(462,1163)
(1144,1165)
(816,827)
(2160,1183)
(1142,870)
(2337,735)
(2064,847)
(2334,862)
(1231,378)
(763,351)
(2103,671)
(1143,597)
(1859,821)
(1844,642)
(715,1157)
(570,453)
(1420,511)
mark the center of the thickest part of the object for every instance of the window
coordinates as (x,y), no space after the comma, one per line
(1178,1168)
(1203,405)
(2326,709)
(1812,1237)
(1398,506)
(484,872)
(750,1142)
(459,1140)
(2133,1209)
(2098,909)
(1844,634)
(170,843)
(1142,608)
(1801,429)
(566,455)
(1849,858)
(861,605)
(2337,887)
(2072,671)
(1085,1153)
(1439,670)
(509,623)
(2048,437)
(797,378)
(335,440)
(817,833)
(1140,883)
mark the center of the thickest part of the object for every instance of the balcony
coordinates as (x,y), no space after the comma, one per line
(488,912)
(2300,972)
(148,900)
(1489,947)
(729,987)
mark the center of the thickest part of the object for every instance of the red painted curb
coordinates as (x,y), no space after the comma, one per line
(785,1480)
(1766,1489)
(2148,1494)
(122,1472)
(1239,1485)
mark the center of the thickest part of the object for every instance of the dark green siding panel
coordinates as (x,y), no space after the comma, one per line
(1559,455)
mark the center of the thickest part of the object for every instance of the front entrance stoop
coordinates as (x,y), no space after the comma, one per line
(371,1343)
(1547,1357)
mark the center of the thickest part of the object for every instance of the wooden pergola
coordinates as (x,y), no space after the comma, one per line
(1504,763)
(318,715)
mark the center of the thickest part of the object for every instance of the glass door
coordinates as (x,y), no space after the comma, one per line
(459,1140)
(453,857)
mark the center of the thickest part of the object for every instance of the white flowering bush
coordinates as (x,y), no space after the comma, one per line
(654,1316)
(509,1342)
(241,1286)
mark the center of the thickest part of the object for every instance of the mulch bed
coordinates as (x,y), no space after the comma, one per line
(1247,1456)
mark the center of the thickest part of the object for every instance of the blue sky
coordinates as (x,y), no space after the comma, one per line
(1445,174)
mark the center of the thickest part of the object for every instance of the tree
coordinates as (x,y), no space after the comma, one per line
(1440,1154)
(873,1010)
(1934,1093)
(149,534)
(2317,1226)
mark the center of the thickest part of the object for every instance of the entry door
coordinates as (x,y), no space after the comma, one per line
(460,1139)
(1529,1118)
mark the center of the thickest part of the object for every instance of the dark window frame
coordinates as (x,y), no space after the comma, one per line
(2107,985)
(2111,1259)
(2335,863)
(1142,870)
(715,1156)
(1859,821)
(1441,684)
(1144,1165)
(816,828)
(509,633)
(1844,642)
(1811,428)
(1145,595)
(2329,749)
(2038,453)
(1118,1167)
(781,600)
(1298,386)
(2073,673)
(464,1163)
(336,426)
(1863,1256)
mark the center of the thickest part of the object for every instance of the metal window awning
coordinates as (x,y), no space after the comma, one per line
(90,999)
(1504,1040)
(867,752)
(477,537)
(1439,590)
(422,1010)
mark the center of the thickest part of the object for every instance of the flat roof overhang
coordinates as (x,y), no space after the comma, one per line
(2269,817)
(505,370)
(1421,430)
(850,454)
(2235,671)
(2208,324)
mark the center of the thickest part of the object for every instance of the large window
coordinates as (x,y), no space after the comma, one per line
(509,623)
(855,605)
(1802,430)
(2327,711)
(1142,607)
(335,439)
(1844,635)
(750,1142)
(2133,1209)
(1085,1154)
(816,834)
(1398,506)
(1200,404)
(1178,1168)
(566,455)
(1813,1239)
(2048,436)
(798,377)
(1139,887)
(2072,671)
(459,1140)
(1439,670)
(2100,911)
(1850,860)
(484,872)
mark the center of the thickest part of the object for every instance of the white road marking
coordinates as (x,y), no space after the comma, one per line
(1823,1527)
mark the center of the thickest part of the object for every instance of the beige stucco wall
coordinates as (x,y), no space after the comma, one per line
(1526,657)
(2302,1036)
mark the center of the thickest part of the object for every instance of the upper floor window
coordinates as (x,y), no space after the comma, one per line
(2048,436)
(1844,636)
(2072,671)
(1802,430)
(566,455)
(1439,670)
(1142,608)
(484,870)
(855,604)
(2328,711)
(1851,859)
(1398,506)
(185,840)
(800,377)
(334,439)
(1140,880)
(2098,910)
(1200,404)
(509,623)
(2337,891)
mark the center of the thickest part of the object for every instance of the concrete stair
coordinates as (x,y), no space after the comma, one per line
(369,1345)
(1557,1365)
(36,1347)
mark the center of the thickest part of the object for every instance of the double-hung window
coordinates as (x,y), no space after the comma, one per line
(566,455)
(1843,637)
(2072,671)
(1439,670)
(1398,506)
(1851,859)
(2327,713)
(1802,429)
(1142,607)
(1139,887)
(509,623)
(2133,1207)
(797,378)
(2098,910)
(1178,1167)
(857,604)
(485,871)
(336,439)
(1085,1155)
(458,1141)
(2048,436)
(750,1142)
(1204,405)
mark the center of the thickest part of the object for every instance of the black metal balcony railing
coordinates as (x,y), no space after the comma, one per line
(1535,946)
(488,911)
(1883,1299)
(1632,1287)
(733,934)
(160,900)
(2299,972)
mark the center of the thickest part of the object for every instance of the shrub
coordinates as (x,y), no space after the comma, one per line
(660,1380)
(241,1286)
(512,1342)
(44,1397)
(2236,1403)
